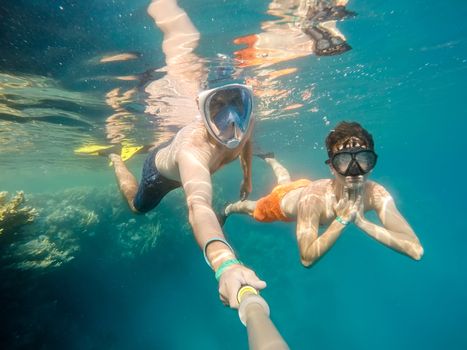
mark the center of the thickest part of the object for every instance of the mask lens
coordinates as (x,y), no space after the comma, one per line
(230,106)
(226,121)
(366,160)
(341,162)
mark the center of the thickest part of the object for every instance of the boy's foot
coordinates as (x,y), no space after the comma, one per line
(221,215)
(264,155)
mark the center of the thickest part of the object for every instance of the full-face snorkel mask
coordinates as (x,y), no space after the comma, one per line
(226,112)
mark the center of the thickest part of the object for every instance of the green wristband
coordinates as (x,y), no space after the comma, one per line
(342,221)
(225,265)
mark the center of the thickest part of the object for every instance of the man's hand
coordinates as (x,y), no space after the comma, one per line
(245,190)
(233,279)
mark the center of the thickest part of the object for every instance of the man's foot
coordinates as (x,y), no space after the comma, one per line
(126,152)
(98,150)
(129,151)
(106,152)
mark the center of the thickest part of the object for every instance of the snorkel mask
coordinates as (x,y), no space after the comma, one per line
(226,112)
(353,161)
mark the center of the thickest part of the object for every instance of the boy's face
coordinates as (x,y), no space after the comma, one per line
(351,182)
(351,162)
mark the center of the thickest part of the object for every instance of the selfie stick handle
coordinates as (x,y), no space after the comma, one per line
(254,314)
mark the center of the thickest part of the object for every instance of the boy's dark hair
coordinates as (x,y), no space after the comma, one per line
(346,130)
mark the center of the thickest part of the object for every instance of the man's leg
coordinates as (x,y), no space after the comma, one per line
(180,35)
(126,181)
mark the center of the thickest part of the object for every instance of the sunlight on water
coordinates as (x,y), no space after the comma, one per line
(80,271)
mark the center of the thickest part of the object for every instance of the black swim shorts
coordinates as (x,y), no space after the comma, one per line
(153,186)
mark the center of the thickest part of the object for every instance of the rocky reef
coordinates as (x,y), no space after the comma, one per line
(13,214)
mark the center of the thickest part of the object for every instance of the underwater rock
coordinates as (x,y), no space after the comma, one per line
(13,215)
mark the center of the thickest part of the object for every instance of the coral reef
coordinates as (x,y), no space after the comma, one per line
(42,252)
(13,213)
(55,237)
(87,222)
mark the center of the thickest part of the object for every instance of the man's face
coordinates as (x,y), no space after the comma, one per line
(226,112)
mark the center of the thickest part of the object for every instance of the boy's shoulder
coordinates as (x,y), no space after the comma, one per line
(376,194)
(376,189)
(318,187)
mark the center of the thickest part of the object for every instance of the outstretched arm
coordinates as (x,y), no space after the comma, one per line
(395,233)
(245,161)
(196,180)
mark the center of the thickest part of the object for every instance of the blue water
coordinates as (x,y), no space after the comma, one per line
(109,280)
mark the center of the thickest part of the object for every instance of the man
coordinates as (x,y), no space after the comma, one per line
(219,132)
(335,202)
(220,135)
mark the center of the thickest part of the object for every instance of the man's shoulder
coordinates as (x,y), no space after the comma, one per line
(193,134)
(194,125)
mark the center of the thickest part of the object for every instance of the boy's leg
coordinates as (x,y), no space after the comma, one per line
(281,173)
(241,207)
(126,181)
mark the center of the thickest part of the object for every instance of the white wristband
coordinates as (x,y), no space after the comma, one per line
(209,241)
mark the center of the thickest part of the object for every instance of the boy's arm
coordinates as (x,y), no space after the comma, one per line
(311,246)
(395,233)
(245,160)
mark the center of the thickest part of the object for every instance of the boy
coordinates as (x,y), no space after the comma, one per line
(335,202)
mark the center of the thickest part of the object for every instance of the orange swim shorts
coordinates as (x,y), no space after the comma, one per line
(268,209)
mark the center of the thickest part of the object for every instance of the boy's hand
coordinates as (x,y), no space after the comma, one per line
(348,208)
(360,214)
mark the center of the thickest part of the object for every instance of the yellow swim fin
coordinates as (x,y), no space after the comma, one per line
(126,151)
(92,150)
(129,151)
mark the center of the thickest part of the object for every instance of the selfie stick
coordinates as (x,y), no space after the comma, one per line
(254,314)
